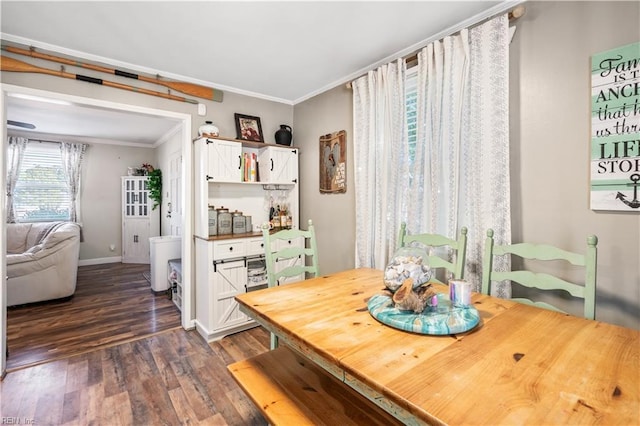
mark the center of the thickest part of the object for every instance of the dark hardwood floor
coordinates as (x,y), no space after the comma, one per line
(171,378)
(113,303)
(121,360)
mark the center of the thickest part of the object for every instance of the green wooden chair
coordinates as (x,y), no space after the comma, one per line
(454,268)
(540,280)
(290,255)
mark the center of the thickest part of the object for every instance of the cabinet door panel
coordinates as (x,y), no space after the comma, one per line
(224,161)
(229,280)
(279,165)
(135,197)
(135,241)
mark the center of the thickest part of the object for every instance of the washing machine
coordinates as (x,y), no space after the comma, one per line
(163,249)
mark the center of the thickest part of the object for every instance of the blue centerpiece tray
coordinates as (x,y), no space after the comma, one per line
(438,320)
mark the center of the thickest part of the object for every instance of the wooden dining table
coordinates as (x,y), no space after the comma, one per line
(519,365)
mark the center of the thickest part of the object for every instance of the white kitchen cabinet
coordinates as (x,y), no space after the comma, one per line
(139,221)
(278,165)
(221,269)
(224,160)
(214,185)
(220,277)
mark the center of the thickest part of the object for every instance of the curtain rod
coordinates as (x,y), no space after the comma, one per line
(43,140)
(34,140)
(514,14)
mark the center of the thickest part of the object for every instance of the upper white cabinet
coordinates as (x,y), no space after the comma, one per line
(223,178)
(278,165)
(224,160)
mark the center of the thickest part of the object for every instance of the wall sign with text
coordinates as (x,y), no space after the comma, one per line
(615,129)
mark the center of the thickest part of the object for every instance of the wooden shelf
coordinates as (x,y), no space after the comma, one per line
(248,144)
(230,236)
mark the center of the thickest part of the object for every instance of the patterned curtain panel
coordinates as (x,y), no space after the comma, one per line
(485,177)
(380,148)
(15,153)
(72,155)
(459,175)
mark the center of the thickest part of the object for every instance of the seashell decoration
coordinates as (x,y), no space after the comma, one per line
(407,262)
(410,298)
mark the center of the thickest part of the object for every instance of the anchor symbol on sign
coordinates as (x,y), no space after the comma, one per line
(634,204)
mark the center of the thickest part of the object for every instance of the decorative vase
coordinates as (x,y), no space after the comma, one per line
(284,135)
(407,262)
(208,130)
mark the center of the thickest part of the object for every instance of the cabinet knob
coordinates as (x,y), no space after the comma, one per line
(230,248)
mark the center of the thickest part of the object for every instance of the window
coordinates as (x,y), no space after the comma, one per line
(42,193)
(411,110)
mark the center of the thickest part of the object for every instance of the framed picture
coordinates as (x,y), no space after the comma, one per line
(248,128)
(333,163)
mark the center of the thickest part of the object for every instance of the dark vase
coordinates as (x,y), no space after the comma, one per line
(284,136)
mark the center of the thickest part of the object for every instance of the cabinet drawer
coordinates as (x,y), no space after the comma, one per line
(255,246)
(294,242)
(229,249)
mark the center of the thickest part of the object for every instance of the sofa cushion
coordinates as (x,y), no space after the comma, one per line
(34,249)
(17,237)
(40,231)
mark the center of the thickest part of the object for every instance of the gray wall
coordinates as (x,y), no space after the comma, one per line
(550,140)
(101,197)
(333,215)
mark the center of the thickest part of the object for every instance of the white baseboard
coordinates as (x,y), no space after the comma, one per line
(99,261)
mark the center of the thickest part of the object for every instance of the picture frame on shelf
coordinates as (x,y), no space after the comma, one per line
(248,128)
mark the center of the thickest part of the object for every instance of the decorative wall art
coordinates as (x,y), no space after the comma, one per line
(248,128)
(333,163)
(615,129)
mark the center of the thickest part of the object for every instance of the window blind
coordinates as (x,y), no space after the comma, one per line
(41,193)
(411,117)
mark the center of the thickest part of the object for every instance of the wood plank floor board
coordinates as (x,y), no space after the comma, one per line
(113,303)
(116,385)
(92,361)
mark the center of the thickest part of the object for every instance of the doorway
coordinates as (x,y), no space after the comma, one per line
(185,188)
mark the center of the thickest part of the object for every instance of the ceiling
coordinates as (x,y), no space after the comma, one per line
(284,51)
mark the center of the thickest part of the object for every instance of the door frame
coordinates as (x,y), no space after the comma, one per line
(175,158)
(188,308)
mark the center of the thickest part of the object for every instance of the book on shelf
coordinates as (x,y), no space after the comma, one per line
(249,164)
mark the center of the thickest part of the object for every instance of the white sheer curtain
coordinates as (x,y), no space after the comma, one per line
(379,148)
(460,175)
(485,176)
(72,155)
(15,154)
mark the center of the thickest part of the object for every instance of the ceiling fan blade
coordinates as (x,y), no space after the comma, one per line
(20,124)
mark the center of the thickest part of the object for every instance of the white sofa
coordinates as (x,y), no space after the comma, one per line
(42,261)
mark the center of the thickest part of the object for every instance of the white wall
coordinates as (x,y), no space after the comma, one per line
(550,139)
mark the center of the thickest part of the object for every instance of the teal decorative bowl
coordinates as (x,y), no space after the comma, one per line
(437,320)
